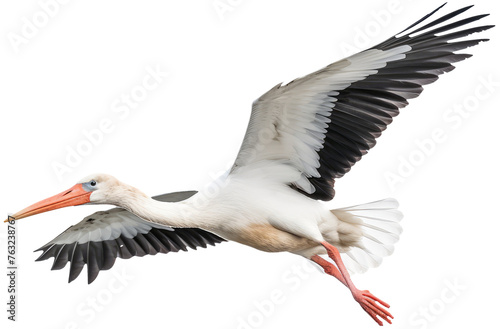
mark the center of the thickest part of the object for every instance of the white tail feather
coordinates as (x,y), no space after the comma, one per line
(379,223)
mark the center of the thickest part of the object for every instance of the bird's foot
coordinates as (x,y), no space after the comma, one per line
(369,303)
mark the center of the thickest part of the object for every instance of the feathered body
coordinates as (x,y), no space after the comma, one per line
(254,206)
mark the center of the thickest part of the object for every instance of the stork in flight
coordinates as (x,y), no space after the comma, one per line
(300,138)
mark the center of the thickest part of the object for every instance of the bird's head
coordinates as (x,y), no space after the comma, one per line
(93,189)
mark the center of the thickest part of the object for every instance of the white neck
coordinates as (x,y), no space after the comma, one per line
(175,214)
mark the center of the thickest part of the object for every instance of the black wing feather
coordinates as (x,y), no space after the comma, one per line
(110,252)
(62,257)
(77,261)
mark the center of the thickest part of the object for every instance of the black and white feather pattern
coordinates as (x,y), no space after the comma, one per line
(105,235)
(323,123)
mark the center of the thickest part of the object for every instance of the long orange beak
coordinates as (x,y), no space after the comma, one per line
(74,196)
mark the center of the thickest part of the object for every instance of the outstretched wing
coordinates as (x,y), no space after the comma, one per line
(323,123)
(105,235)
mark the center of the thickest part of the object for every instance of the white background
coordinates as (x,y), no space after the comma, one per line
(64,79)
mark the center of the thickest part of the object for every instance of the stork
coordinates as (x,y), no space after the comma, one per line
(301,137)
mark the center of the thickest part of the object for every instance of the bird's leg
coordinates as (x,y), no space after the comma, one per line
(365,298)
(329,268)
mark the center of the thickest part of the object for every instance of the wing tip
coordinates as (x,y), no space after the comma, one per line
(92,278)
(71,278)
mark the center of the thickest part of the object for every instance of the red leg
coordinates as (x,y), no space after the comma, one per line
(329,268)
(365,298)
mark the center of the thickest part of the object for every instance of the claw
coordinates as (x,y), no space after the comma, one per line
(369,303)
(369,294)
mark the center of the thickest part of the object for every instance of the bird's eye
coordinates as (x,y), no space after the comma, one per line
(93,183)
